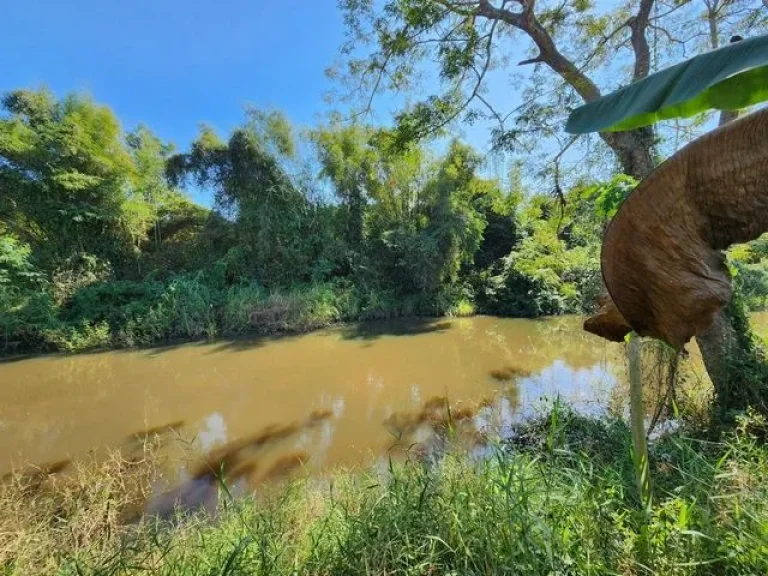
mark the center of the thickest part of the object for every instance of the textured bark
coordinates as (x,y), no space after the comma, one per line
(718,343)
(661,259)
(633,150)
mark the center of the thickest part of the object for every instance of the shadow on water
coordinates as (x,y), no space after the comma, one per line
(509,373)
(149,433)
(239,343)
(14,357)
(249,342)
(39,471)
(285,466)
(236,461)
(369,331)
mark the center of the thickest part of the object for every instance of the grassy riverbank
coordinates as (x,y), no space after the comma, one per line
(133,314)
(559,500)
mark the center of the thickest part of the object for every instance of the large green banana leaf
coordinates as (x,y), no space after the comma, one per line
(729,78)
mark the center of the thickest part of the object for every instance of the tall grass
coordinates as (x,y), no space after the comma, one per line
(129,314)
(558,500)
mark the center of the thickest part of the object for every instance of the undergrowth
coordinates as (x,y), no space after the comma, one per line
(125,314)
(560,499)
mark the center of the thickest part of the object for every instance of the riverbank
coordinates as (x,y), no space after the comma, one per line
(142,314)
(559,500)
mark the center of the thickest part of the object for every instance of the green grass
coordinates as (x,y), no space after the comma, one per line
(125,314)
(558,500)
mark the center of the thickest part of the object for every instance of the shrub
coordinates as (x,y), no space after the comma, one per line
(752,280)
(116,302)
(239,302)
(190,303)
(79,338)
(77,272)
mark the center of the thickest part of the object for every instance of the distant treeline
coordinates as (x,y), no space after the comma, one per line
(100,245)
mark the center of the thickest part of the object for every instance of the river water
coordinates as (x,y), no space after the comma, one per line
(259,408)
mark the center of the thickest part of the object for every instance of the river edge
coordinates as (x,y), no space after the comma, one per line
(254,334)
(561,500)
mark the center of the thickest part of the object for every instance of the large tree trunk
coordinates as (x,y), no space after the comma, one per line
(735,364)
(717,345)
(634,150)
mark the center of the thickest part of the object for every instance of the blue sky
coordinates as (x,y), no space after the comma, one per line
(173,64)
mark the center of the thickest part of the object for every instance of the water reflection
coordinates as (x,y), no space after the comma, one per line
(508,373)
(214,431)
(249,414)
(390,328)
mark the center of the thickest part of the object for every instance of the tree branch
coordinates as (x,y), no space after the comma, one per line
(638,25)
(601,44)
(548,52)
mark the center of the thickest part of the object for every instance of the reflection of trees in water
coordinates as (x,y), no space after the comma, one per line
(242,462)
(230,457)
(563,339)
(439,425)
(38,472)
(374,330)
(508,373)
(530,346)
(161,430)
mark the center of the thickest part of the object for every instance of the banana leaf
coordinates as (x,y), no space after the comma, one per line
(729,78)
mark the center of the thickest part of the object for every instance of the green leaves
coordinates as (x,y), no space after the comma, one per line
(64,172)
(730,78)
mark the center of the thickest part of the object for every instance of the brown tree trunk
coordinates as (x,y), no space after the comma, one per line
(634,150)
(717,344)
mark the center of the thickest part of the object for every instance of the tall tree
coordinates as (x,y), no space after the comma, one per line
(350,163)
(150,194)
(63,176)
(252,189)
(575,46)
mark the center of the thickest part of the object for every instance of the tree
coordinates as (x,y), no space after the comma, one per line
(253,190)
(580,45)
(415,220)
(350,163)
(150,194)
(63,176)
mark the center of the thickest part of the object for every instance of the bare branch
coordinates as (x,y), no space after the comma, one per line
(675,8)
(603,41)
(683,43)
(492,110)
(536,60)
(638,25)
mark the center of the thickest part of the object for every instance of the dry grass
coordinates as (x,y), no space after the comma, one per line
(47,518)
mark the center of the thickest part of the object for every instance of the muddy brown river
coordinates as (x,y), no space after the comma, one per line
(260,408)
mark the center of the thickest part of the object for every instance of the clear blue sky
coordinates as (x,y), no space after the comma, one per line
(173,64)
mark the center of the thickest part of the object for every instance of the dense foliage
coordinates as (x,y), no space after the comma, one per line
(100,246)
